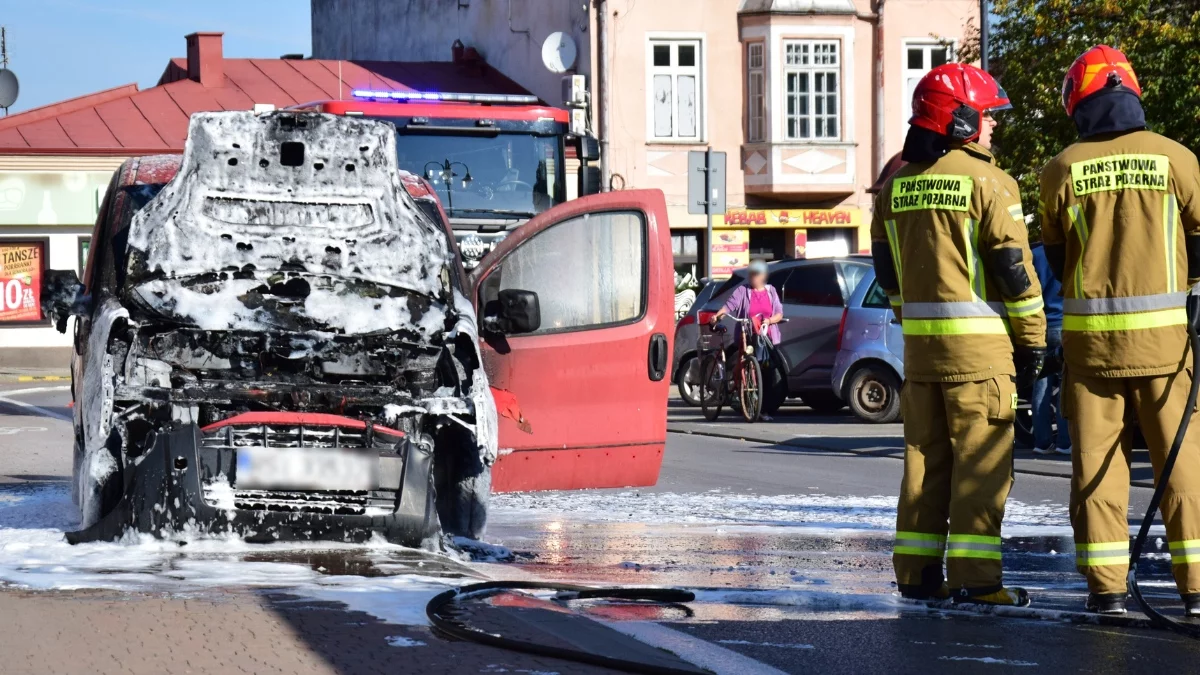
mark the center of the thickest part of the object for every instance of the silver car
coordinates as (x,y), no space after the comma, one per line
(814,294)
(869,368)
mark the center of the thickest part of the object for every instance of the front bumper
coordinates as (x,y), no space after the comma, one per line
(164,493)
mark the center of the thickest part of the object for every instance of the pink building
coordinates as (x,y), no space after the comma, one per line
(791,90)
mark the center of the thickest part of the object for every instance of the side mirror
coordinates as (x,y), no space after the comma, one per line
(63,296)
(589,181)
(514,312)
(588,149)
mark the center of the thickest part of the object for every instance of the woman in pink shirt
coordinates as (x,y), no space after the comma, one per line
(755,299)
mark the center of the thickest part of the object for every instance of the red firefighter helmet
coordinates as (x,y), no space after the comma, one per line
(953,98)
(1097,69)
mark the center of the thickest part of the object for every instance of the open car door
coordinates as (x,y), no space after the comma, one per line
(575,308)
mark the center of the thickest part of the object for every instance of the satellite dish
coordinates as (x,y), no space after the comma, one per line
(559,52)
(8,88)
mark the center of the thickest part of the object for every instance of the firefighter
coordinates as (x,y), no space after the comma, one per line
(1120,214)
(952,252)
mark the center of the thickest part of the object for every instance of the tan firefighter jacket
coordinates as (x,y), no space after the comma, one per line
(952,226)
(1122,206)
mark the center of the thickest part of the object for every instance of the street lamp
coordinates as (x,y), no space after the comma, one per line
(446,170)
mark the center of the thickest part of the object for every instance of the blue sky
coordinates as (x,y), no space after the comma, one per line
(60,49)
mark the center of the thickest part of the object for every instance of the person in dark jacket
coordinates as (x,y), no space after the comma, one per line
(1047,441)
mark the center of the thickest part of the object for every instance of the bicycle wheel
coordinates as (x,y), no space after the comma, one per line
(750,391)
(712,387)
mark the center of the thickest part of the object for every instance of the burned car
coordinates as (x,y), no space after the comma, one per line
(275,338)
(271,334)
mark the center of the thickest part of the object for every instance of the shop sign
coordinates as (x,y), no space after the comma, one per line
(789,218)
(730,251)
(51,197)
(21,265)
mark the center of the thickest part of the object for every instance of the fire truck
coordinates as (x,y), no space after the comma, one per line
(494,160)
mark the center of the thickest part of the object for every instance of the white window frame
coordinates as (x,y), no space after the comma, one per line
(756,92)
(905,72)
(699,70)
(817,59)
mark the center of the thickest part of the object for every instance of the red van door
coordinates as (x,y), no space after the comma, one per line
(590,381)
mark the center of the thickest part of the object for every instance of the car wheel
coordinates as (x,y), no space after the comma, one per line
(688,381)
(824,402)
(874,395)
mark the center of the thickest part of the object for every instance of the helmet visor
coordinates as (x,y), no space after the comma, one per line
(1001,95)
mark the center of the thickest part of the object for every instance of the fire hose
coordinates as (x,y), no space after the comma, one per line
(1158,618)
(454,628)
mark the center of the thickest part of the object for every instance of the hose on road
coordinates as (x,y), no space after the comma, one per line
(1139,543)
(434,610)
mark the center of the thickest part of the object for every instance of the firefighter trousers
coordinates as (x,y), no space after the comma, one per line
(1100,410)
(958,439)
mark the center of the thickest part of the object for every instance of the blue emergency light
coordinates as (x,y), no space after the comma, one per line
(442,96)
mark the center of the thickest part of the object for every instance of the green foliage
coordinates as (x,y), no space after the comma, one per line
(1033,42)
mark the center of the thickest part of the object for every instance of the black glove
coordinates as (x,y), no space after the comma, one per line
(1053,364)
(1029,361)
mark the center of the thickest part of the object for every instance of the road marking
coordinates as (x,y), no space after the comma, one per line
(42,378)
(12,431)
(35,390)
(31,407)
(705,654)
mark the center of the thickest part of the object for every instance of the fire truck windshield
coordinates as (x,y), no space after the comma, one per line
(484,175)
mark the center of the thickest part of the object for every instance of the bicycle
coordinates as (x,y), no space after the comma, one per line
(716,386)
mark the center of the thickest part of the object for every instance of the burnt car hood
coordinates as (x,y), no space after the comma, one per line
(265,204)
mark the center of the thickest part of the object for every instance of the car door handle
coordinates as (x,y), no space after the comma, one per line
(658,357)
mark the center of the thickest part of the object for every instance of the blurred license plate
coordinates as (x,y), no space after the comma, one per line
(306,469)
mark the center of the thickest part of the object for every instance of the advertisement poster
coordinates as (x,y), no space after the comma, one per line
(21,281)
(801,244)
(730,251)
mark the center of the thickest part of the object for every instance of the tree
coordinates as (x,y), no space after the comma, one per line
(1033,42)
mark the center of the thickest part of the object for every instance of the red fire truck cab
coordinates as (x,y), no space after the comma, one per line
(494,160)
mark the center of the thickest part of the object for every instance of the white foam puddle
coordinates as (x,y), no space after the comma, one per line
(816,511)
(35,555)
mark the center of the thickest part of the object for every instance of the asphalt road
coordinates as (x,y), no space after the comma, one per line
(788,547)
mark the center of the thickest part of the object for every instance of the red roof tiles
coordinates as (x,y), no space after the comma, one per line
(124,120)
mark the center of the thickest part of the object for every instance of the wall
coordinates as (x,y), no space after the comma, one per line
(508,33)
(55,199)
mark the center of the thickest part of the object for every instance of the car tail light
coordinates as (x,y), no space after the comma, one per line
(705,317)
(686,320)
(842,327)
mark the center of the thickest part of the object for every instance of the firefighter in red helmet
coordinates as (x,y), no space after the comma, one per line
(952,252)
(1120,214)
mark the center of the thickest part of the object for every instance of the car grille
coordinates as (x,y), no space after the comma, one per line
(290,436)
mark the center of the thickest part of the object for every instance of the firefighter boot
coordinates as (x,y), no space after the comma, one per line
(1106,603)
(1013,596)
(1191,604)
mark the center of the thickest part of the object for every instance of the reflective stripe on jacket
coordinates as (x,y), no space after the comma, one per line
(943,223)
(1121,205)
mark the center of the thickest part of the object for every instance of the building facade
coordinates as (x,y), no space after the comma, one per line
(807,98)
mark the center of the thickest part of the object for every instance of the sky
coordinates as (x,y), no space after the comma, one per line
(61,49)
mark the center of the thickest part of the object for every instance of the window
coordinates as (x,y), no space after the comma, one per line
(813,285)
(876,298)
(853,274)
(811,72)
(675,90)
(587,271)
(920,58)
(778,279)
(756,112)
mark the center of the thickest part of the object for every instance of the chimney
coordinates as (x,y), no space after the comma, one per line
(205,59)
